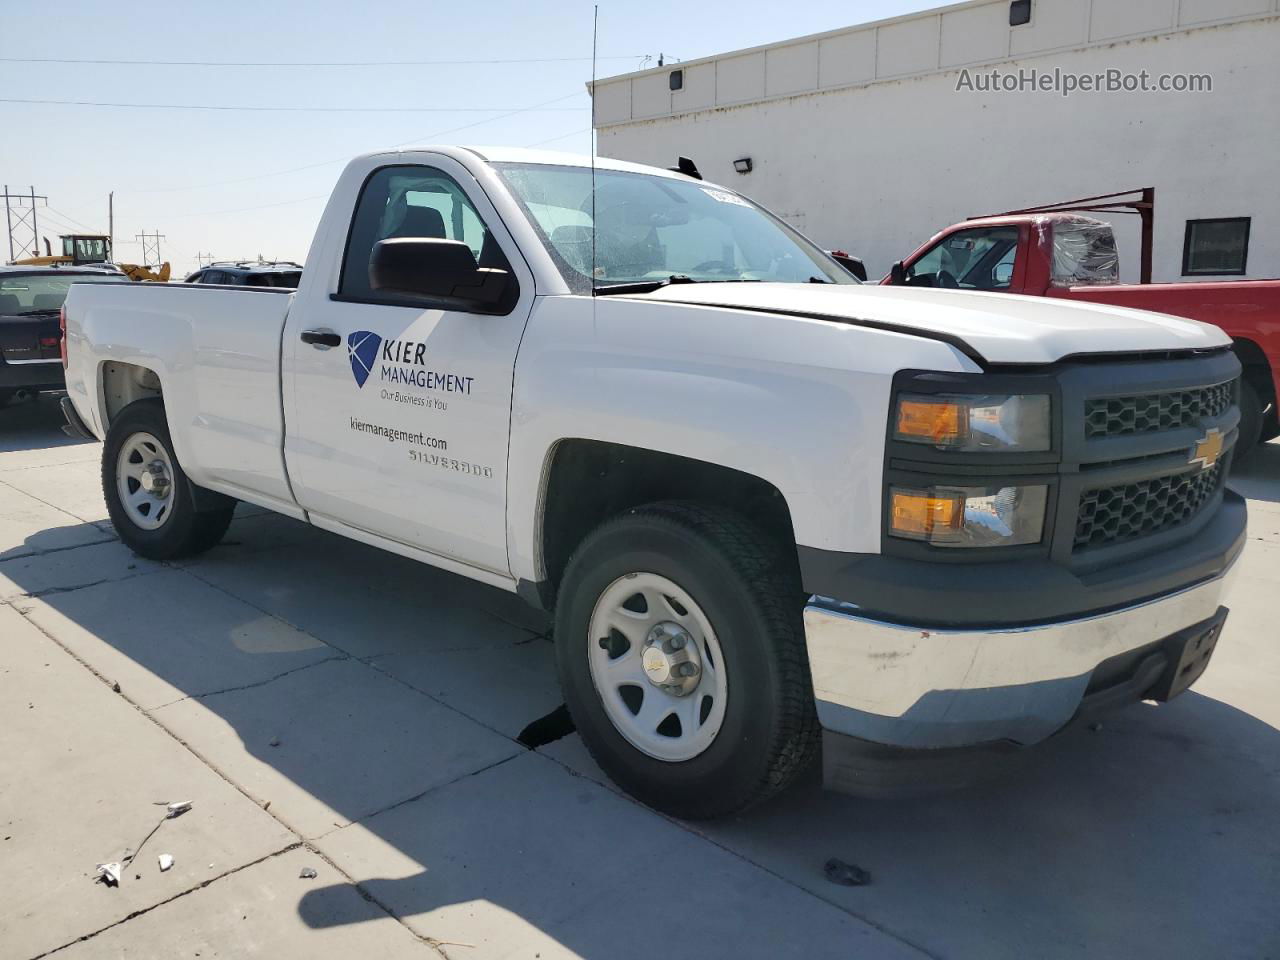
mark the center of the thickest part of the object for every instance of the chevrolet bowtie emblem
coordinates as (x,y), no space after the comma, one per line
(1207,450)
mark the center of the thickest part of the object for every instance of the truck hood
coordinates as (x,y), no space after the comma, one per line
(993,327)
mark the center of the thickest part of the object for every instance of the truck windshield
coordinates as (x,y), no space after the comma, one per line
(649,228)
(39,293)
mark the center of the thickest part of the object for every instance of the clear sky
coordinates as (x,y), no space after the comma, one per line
(214,181)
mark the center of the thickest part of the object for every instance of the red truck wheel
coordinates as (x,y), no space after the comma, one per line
(1250,421)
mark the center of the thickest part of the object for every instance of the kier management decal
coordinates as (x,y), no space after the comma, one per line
(403,362)
(400,362)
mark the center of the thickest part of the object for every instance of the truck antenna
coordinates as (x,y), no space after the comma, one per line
(595,34)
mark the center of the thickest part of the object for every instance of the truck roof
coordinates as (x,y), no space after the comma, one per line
(500,154)
(1013,219)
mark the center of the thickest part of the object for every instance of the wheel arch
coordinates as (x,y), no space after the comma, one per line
(120,384)
(584,482)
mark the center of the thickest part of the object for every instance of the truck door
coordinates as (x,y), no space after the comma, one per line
(981,258)
(398,411)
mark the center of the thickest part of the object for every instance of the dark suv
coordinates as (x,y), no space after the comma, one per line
(250,273)
(30,338)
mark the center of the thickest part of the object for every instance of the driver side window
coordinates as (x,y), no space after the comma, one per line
(412,201)
(978,259)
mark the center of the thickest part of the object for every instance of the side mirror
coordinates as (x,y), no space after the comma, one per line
(851,263)
(898,274)
(1002,274)
(433,267)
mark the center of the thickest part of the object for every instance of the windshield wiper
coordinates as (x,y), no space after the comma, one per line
(646,286)
(641,286)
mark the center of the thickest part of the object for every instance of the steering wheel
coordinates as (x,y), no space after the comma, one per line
(715,266)
(947,279)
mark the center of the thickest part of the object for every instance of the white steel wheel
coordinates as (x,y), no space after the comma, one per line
(657,667)
(145,481)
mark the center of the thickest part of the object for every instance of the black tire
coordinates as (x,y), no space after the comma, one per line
(751,595)
(187,530)
(1250,421)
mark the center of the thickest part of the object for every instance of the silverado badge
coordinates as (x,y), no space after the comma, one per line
(1208,449)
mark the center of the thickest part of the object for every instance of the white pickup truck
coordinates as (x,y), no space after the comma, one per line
(773,509)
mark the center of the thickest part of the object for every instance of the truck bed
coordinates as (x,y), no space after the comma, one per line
(222,343)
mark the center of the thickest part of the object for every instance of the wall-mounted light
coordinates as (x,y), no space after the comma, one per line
(1019,12)
(675,80)
(742,165)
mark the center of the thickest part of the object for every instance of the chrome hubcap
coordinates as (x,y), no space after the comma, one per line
(656,664)
(144,481)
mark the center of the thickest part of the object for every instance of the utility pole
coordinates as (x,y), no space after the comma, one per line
(111,220)
(203,259)
(19,217)
(150,247)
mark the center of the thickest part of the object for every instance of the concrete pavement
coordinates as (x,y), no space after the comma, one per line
(329,706)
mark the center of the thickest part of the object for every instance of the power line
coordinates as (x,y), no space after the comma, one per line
(261,206)
(298,63)
(344,159)
(70,219)
(65,227)
(259,109)
(563,136)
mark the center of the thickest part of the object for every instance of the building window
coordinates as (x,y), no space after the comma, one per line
(1216,247)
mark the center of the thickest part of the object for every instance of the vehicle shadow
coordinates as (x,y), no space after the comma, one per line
(1153,836)
(1156,833)
(33,424)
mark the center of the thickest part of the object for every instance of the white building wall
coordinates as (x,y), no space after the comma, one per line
(860,138)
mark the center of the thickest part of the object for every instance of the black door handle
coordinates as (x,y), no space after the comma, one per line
(321,338)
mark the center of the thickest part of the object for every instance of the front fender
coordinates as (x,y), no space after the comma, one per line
(799,403)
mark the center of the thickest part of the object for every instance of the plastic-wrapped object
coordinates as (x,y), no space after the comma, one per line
(1084,252)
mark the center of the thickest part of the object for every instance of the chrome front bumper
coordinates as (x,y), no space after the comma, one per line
(916,687)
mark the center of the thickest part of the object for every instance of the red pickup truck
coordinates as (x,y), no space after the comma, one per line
(1073,257)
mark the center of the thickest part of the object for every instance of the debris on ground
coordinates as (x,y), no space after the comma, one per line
(273,742)
(845,874)
(307,873)
(109,873)
(115,687)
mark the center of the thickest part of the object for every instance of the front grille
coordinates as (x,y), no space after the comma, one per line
(1117,514)
(1148,413)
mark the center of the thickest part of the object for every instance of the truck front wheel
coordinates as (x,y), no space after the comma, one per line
(149,498)
(681,654)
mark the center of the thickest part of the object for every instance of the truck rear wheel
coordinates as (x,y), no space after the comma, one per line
(149,498)
(681,654)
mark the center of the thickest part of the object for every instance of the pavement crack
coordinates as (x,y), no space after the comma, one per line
(177,896)
(52,506)
(417,796)
(368,897)
(256,683)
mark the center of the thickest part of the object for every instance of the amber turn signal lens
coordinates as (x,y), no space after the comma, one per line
(937,421)
(921,515)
